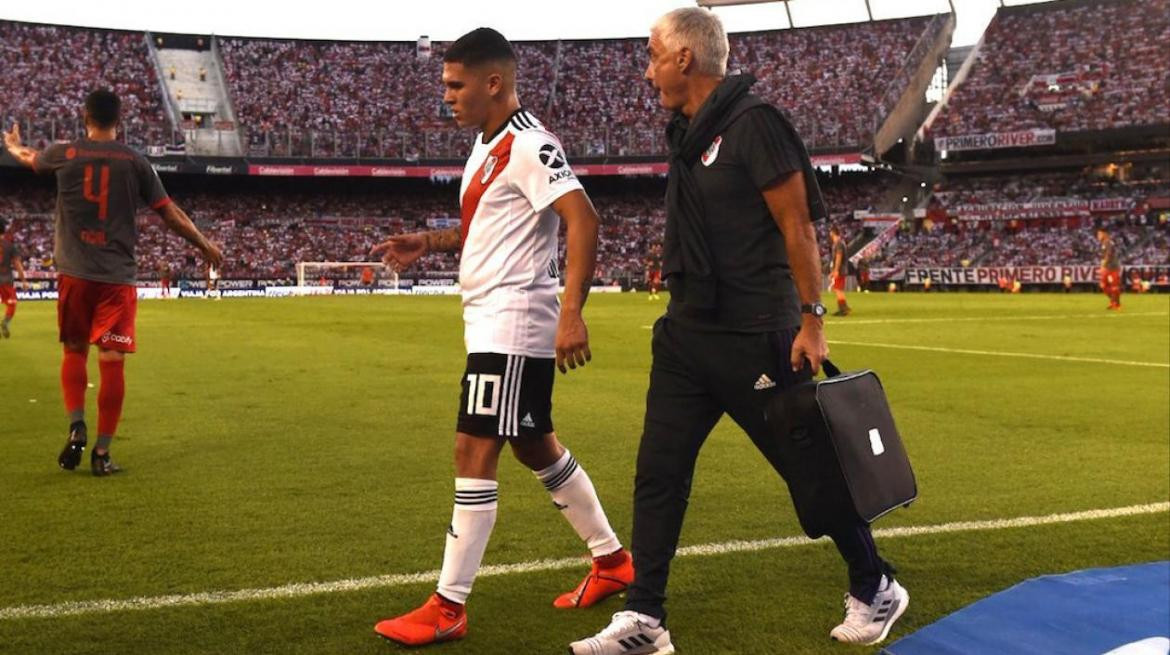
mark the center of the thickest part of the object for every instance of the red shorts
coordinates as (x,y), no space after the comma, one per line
(655,278)
(838,283)
(1110,277)
(7,294)
(97,312)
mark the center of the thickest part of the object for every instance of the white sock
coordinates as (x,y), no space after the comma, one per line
(573,493)
(471,526)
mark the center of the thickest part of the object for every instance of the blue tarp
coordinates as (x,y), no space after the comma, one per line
(1088,612)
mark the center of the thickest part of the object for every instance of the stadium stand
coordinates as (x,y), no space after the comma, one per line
(591,91)
(267,231)
(1039,66)
(1070,66)
(48,70)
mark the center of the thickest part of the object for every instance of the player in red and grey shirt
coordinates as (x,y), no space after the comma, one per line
(838,271)
(9,262)
(1110,269)
(101,184)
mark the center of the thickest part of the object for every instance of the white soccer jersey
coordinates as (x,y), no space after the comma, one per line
(508,266)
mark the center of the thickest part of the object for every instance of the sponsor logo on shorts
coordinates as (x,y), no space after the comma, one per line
(109,337)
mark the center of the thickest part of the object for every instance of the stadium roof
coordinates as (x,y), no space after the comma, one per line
(447,19)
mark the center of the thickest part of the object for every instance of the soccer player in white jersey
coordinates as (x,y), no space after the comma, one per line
(516,184)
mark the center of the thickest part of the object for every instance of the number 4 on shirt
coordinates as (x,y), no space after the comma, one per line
(102,197)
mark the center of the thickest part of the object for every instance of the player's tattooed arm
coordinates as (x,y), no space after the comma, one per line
(443,240)
(400,252)
(21,153)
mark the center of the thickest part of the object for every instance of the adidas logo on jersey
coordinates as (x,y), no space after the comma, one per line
(527,421)
(764,382)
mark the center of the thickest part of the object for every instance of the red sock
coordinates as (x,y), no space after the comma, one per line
(73,381)
(110,396)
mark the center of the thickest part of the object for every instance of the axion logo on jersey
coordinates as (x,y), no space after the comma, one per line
(551,157)
(488,167)
(712,151)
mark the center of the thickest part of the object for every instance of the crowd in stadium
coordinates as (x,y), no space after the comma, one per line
(830,79)
(592,92)
(314,98)
(267,232)
(1023,245)
(66,63)
(979,190)
(1066,66)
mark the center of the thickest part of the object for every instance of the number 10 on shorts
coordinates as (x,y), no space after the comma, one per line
(481,388)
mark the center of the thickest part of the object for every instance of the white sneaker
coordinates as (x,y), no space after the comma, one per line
(870,624)
(628,634)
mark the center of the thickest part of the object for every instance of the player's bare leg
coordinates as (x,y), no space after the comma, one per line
(444,616)
(110,396)
(573,494)
(73,384)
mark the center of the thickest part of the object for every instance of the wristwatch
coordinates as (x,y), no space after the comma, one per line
(816,309)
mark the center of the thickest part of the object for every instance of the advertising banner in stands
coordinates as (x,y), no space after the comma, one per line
(455,172)
(995,140)
(877,220)
(983,276)
(199,169)
(873,247)
(1051,208)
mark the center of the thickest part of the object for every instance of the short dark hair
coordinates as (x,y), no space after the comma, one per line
(103,107)
(3,226)
(835,230)
(480,46)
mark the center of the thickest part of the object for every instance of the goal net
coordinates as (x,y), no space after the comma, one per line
(376,274)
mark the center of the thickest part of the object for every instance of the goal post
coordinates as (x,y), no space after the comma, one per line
(309,271)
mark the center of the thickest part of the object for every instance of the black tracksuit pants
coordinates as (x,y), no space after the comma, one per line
(696,377)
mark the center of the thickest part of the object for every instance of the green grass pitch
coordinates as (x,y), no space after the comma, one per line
(269,442)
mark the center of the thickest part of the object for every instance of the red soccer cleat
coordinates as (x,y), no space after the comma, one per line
(437,620)
(611,574)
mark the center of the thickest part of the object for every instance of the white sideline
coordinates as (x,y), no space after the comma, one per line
(839,322)
(297,590)
(987,319)
(996,353)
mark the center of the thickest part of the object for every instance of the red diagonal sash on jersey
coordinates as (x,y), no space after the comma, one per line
(475,190)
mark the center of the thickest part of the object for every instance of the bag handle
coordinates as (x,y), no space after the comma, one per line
(831,370)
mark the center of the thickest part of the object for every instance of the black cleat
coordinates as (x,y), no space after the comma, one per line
(102,465)
(4,330)
(70,455)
